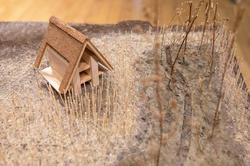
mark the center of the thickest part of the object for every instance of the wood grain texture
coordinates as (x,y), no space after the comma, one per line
(76,82)
(94,71)
(57,62)
(83,66)
(84,77)
(52,77)
(68,29)
(65,45)
(69,72)
(41,50)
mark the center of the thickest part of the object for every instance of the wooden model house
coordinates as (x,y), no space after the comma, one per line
(73,59)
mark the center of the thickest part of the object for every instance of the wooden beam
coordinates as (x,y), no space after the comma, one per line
(41,51)
(70,70)
(84,77)
(83,66)
(94,71)
(52,77)
(58,65)
(76,83)
(57,62)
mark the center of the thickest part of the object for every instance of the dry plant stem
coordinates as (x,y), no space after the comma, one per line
(163,39)
(239,17)
(189,21)
(157,90)
(179,50)
(206,22)
(221,87)
(213,41)
(158,96)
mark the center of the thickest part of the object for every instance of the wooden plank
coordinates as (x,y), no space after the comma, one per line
(86,55)
(57,62)
(70,70)
(55,79)
(40,53)
(83,66)
(76,83)
(88,71)
(52,77)
(58,65)
(102,67)
(84,77)
(72,32)
(63,43)
(94,71)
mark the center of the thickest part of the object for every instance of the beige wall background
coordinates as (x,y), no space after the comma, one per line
(113,11)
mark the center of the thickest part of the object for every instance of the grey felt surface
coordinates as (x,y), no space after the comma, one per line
(19,43)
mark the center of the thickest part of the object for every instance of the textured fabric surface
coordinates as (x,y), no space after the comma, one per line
(187,142)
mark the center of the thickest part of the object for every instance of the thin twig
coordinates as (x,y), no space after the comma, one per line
(189,21)
(239,17)
(206,22)
(221,88)
(213,42)
(179,50)
(158,96)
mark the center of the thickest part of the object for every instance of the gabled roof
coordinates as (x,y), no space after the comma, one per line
(80,37)
(70,44)
(68,29)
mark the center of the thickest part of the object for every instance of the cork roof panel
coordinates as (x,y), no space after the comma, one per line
(68,29)
(65,45)
(61,35)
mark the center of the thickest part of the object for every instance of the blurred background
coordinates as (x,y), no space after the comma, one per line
(113,11)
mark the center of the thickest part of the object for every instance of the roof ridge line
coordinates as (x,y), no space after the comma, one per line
(68,29)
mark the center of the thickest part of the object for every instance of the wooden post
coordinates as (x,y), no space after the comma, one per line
(76,83)
(94,71)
